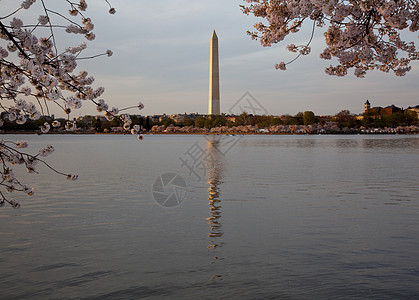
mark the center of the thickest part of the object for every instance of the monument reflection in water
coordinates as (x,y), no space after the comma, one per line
(214,175)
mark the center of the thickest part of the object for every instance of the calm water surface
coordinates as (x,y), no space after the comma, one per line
(266,217)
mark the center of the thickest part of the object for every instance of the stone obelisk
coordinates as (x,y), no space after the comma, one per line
(214,78)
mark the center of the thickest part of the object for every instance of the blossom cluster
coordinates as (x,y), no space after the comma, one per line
(361,35)
(11,154)
(36,73)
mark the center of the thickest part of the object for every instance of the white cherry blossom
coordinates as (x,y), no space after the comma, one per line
(361,35)
(36,73)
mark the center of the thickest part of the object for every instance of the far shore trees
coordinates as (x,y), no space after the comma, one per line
(309,118)
(345,119)
(307,122)
(199,122)
(379,118)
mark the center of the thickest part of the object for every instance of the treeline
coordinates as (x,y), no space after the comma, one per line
(86,123)
(101,125)
(306,118)
(344,119)
(29,125)
(380,119)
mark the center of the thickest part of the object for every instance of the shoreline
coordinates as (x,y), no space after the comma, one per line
(206,133)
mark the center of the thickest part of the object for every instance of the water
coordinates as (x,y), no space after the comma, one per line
(268,217)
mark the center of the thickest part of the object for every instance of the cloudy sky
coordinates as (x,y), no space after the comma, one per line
(161,57)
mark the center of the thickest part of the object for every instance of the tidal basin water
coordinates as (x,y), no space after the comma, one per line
(266,217)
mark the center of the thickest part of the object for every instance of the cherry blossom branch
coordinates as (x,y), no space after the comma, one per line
(38,70)
(11,37)
(363,35)
(11,14)
(50,27)
(304,51)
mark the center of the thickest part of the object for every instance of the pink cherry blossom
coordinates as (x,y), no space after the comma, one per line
(35,67)
(359,35)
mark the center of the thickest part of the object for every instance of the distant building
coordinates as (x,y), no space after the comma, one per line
(367,106)
(391,109)
(157,118)
(414,108)
(231,118)
(179,118)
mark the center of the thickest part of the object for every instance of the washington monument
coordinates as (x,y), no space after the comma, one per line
(214,78)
